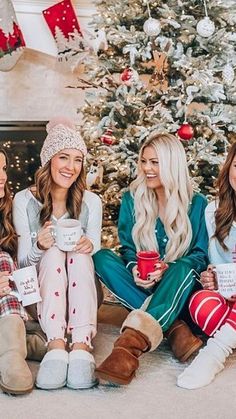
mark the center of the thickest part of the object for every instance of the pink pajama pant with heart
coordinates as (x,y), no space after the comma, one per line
(69,297)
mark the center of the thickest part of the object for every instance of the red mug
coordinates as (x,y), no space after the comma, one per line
(146,262)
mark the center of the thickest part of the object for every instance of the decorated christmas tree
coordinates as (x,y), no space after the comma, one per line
(168,66)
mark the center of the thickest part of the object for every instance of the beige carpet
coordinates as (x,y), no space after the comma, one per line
(153,394)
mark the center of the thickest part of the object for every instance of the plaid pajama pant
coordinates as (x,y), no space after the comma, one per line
(9,304)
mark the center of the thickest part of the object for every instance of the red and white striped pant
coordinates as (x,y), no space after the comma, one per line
(209,310)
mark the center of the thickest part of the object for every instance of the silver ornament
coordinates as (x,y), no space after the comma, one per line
(205,27)
(228,74)
(152,27)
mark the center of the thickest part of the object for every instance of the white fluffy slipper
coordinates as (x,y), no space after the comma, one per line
(53,370)
(81,370)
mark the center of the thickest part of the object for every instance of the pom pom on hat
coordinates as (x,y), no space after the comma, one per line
(61,134)
(60,120)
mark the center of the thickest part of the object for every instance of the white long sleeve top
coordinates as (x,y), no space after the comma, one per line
(26,212)
(217,254)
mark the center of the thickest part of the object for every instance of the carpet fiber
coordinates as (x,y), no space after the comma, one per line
(152,394)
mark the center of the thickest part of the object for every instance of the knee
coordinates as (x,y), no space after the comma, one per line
(104,259)
(202,303)
(53,254)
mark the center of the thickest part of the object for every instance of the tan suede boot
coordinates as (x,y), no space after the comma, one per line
(15,375)
(182,341)
(140,333)
(36,341)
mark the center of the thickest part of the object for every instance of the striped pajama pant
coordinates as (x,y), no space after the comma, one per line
(209,310)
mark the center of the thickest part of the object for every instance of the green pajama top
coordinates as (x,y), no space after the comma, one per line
(197,254)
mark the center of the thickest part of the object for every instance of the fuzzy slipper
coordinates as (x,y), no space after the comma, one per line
(81,370)
(53,370)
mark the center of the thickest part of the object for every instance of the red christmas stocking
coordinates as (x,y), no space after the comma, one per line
(11,38)
(63,24)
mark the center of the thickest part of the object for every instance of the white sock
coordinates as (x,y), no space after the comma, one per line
(202,370)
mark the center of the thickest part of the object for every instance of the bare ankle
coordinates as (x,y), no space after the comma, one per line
(56,344)
(81,345)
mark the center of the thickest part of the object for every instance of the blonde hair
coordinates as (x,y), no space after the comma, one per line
(174,176)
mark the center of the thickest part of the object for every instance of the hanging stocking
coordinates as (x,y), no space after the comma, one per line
(11,38)
(64,26)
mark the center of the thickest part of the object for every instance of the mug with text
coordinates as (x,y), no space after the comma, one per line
(147,261)
(26,280)
(226,279)
(67,234)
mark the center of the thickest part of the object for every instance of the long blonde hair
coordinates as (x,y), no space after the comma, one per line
(43,183)
(174,176)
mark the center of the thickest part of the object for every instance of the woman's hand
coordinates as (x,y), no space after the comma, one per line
(45,239)
(153,277)
(208,279)
(4,283)
(232,299)
(84,246)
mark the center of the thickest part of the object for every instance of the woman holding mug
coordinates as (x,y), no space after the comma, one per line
(159,213)
(66,279)
(15,375)
(215,314)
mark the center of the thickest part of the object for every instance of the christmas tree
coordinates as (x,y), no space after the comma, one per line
(168,66)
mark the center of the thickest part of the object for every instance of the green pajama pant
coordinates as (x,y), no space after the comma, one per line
(164,302)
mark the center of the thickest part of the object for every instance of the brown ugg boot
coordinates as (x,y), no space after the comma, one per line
(140,333)
(15,375)
(36,341)
(182,341)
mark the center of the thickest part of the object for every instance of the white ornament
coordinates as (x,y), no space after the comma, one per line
(205,27)
(152,27)
(228,74)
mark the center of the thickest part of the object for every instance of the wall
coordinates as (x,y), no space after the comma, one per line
(36,88)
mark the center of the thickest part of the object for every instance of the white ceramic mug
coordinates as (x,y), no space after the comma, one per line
(67,234)
(26,281)
(226,279)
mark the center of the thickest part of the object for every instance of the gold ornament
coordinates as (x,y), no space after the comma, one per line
(158,80)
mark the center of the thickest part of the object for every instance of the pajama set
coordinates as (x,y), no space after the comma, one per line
(63,276)
(9,304)
(208,308)
(168,297)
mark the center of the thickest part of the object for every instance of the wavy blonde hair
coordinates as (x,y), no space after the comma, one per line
(174,176)
(8,236)
(43,183)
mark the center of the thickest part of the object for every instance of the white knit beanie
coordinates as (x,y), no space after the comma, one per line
(61,134)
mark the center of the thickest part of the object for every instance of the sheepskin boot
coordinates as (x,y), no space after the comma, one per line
(210,360)
(140,333)
(15,375)
(36,341)
(182,341)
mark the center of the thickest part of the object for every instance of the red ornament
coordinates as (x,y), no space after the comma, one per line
(185,132)
(108,137)
(129,76)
